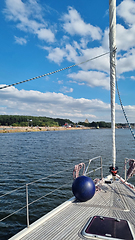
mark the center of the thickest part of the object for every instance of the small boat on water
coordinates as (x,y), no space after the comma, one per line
(105,209)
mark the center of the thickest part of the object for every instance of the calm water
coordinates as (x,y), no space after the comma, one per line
(26,157)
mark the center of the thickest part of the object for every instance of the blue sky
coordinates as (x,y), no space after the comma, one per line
(39,36)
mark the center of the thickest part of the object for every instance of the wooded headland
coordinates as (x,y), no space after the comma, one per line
(17,123)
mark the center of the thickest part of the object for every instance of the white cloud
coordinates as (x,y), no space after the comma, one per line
(125,35)
(83,43)
(65,89)
(15,9)
(92,78)
(73,24)
(28,18)
(56,54)
(45,34)
(133,77)
(60,81)
(126,62)
(98,63)
(68,52)
(78,51)
(126,10)
(128,35)
(72,54)
(49,104)
(20,40)
(75,54)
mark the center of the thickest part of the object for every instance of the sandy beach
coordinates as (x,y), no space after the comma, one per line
(6,129)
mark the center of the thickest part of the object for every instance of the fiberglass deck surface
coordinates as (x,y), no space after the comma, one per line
(112,200)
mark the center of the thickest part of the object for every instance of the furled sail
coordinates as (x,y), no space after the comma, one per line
(112,42)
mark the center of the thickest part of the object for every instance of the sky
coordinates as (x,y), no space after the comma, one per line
(38,37)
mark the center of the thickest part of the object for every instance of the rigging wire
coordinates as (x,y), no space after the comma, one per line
(131,130)
(50,73)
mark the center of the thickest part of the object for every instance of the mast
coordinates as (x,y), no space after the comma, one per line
(112,43)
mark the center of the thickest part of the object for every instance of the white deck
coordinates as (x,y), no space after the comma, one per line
(67,221)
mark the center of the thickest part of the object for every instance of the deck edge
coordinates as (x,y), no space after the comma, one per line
(41,220)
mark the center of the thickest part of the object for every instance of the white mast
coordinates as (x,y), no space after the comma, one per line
(112,42)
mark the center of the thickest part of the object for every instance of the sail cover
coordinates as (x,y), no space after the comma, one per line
(131,170)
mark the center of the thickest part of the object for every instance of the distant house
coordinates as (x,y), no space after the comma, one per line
(68,125)
(86,121)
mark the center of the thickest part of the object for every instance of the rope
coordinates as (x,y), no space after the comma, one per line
(131,130)
(50,73)
(77,169)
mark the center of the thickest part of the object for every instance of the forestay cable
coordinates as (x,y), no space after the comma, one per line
(50,73)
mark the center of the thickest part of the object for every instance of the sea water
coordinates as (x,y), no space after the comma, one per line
(27,157)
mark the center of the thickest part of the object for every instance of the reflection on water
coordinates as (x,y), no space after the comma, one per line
(26,157)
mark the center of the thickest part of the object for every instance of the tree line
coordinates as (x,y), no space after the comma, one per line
(93,124)
(23,121)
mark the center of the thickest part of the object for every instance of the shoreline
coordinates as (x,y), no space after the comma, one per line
(7,129)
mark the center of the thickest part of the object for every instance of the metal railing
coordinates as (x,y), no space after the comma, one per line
(101,166)
(26,187)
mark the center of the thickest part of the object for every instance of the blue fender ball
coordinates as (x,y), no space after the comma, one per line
(83,188)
